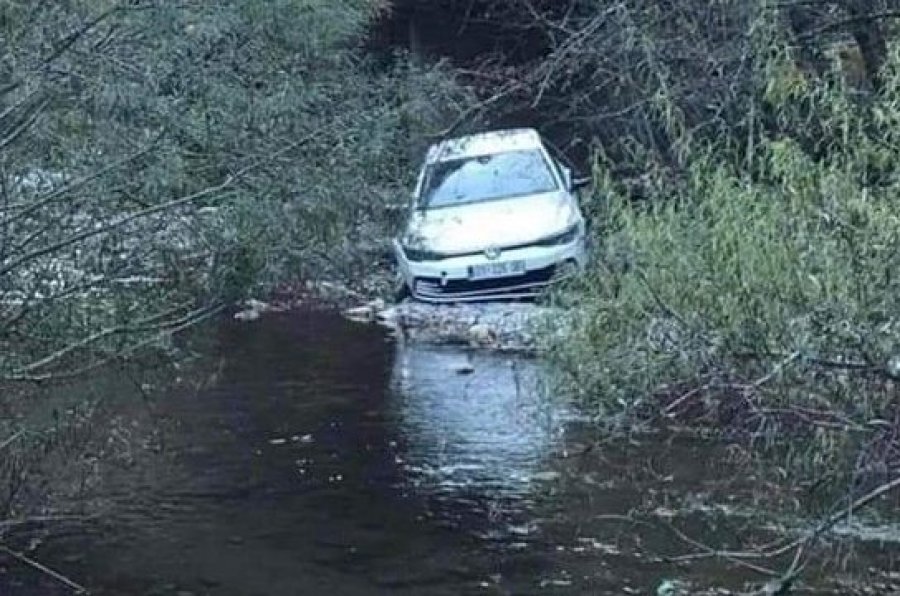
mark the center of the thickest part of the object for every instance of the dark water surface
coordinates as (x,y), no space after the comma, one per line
(322,457)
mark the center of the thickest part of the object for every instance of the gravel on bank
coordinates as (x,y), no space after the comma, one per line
(505,326)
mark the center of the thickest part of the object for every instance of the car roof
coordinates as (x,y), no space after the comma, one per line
(485,143)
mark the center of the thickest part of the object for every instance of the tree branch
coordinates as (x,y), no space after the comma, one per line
(11,440)
(121,221)
(77,588)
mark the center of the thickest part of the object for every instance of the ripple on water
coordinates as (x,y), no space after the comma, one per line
(473,425)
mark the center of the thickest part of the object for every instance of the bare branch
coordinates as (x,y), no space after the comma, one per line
(77,588)
(26,209)
(142,325)
(117,223)
(11,440)
(24,125)
(170,327)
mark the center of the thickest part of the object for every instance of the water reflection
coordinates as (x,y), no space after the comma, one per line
(311,462)
(473,424)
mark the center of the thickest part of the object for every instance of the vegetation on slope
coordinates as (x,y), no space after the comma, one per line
(159,161)
(754,293)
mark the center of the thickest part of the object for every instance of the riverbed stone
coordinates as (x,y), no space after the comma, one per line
(465,369)
(481,334)
(505,326)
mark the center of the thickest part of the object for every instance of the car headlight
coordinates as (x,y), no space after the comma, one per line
(567,236)
(420,254)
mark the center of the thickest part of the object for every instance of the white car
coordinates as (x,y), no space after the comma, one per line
(493,215)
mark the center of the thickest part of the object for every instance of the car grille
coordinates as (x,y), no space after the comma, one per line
(528,284)
(473,253)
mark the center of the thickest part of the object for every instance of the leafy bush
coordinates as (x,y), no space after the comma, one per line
(761,289)
(160,160)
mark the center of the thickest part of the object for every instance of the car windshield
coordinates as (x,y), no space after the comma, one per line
(487,177)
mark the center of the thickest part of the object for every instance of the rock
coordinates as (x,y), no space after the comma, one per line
(328,288)
(548,476)
(465,369)
(367,313)
(247,315)
(257,305)
(893,366)
(481,334)
(389,316)
(498,325)
(362,314)
(253,309)
(670,587)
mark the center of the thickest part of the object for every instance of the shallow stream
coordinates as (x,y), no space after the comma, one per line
(320,456)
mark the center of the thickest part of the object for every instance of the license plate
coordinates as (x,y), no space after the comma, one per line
(501,269)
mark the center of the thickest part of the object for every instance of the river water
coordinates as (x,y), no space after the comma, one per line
(319,456)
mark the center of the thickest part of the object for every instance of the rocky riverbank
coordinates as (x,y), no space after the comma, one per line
(510,326)
(500,326)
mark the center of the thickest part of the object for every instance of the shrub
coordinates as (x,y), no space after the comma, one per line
(761,296)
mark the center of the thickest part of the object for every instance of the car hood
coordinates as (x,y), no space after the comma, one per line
(505,222)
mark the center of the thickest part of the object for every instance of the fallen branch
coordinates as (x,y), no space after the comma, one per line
(670,409)
(11,440)
(800,546)
(78,589)
(171,328)
(119,222)
(40,519)
(732,557)
(157,320)
(784,583)
(776,370)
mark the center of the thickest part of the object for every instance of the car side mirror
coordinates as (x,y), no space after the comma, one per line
(579,183)
(566,176)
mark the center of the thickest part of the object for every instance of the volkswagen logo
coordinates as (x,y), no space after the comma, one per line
(492,252)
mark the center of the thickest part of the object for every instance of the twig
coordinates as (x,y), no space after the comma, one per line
(157,320)
(24,125)
(797,564)
(25,209)
(800,546)
(41,519)
(116,223)
(171,327)
(10,441)
(476,109)
(777,369)
(672,406)
(665,308)
(78,589)
(731,557)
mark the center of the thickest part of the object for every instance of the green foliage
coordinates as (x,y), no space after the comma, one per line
(161,160)
(210,150)
(766,289)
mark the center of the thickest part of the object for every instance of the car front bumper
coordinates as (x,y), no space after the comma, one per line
(449,279)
